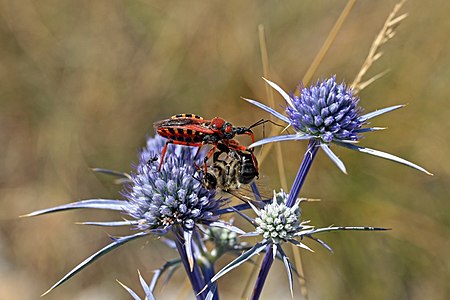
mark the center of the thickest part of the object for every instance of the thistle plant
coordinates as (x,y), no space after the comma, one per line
(276,224)
(325,113)
(173,204)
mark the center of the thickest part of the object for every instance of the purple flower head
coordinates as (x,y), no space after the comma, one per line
(171,196)
(326,110)
(328,113)
(157,201)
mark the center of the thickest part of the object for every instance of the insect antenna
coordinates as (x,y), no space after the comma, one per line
(263,121)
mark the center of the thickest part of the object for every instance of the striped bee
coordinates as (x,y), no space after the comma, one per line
(230,168)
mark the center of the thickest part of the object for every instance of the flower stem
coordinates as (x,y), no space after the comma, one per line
(308,158)
(208,272)
(194,276)
(263,272)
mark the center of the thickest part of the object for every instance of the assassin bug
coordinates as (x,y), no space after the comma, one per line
(193,130)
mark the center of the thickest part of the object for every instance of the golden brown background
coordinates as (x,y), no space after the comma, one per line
(81,83)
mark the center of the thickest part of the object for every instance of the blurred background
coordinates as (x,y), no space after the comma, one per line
(81,83)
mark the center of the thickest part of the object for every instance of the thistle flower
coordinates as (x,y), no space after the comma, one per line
(171,196)
(157,202)
(328,112)
(276,223)
(223,241)
(222,238)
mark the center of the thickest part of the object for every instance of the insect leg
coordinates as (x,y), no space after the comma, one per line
(163,153)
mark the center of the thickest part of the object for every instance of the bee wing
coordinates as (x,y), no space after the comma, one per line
(262,183)
(245,194)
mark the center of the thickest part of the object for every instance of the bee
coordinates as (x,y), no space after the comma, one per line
(248,168)
(230,168)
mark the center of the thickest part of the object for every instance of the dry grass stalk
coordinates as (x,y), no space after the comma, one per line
(279,157)
(314,64)
(306,78)
(278,153)
(327,44)
(269,92)
(386,33)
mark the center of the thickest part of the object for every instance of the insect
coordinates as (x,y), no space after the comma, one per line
(193,130)
(230,168)
(152,160)
(249,166)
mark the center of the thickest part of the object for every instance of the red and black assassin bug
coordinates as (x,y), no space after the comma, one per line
(193,130)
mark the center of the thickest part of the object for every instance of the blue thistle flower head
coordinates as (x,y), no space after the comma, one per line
(156,200)
(326,110)
(171,196)
(328,113)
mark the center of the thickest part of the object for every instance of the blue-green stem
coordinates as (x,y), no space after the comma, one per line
(308,159)
(194,276)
